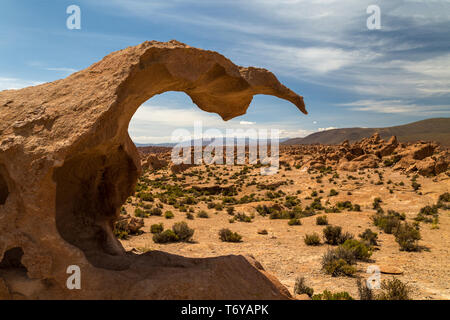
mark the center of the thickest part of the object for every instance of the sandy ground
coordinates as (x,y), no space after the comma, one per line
(283,252)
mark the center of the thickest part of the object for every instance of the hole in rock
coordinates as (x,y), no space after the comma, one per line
(12,259)
(90,190)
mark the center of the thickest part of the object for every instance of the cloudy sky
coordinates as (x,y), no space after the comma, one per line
(322,49)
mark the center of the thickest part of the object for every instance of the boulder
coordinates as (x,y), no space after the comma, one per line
(426,166)
(67,164)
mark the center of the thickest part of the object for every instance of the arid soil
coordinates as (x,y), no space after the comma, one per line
(282,251)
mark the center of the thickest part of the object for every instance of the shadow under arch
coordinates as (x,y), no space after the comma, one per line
(102,168)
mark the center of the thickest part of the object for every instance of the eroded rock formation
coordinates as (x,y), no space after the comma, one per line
(67,165)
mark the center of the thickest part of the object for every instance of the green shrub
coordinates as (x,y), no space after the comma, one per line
(169,215)
(359,249)
(189,216)
(230,211)
(165,237)
(139,213)
(156,212)
(388,222)
(338,262)
(415,185)
(183,232)
(445,197)
(301,288)
(202,214)
(407,236)
(294,222)
(312,239)
(157,228)
(227,235)
(394,290)
(333,193)
(322,220)
(376,203)
(365,293)
(333,235)
(344,205)
(242,217)
(328,295)
(428,214)
(370,237)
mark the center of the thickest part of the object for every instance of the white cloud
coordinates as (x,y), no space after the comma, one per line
(64,70)
(397,107)
(325,129)
(246,122)
(14,83)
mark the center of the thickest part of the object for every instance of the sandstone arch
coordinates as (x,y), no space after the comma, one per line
(65,148)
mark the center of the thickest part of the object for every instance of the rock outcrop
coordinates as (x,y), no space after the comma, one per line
(425,158)
(67,164)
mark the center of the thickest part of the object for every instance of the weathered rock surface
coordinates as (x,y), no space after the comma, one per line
(425,158)
(67,164)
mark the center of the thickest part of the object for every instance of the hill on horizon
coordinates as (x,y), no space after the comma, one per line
(435,129)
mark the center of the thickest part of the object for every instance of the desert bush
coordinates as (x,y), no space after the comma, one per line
(443,201)
(183,232)
(139,213)
(145,196)
(189,216)
(333,235)
(316,204)
(407,236)
(294,222)
(242,217)
(365,293)
(322,220)
(445,197)
(338,262)
(202,214)
(356,207)
(416,186)
(370,237)
(425,213)
(388,222)
(165,237)
(312,239)
(333,193)
(230,211)
(301,288)
(169,215)
(344,205)
(376,203)
(227,235)
(328,295)
(156,212)
(359,249)
(394,290)
(157,228)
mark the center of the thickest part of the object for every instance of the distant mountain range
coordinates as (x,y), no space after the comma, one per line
(436,129)
(205,142)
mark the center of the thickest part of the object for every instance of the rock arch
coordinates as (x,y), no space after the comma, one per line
(66,148)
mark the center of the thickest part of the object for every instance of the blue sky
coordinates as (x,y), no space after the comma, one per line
(322,49)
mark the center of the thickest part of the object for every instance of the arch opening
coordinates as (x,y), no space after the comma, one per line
(91,188)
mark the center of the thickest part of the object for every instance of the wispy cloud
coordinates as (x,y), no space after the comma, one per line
(397,107)
(14,83)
